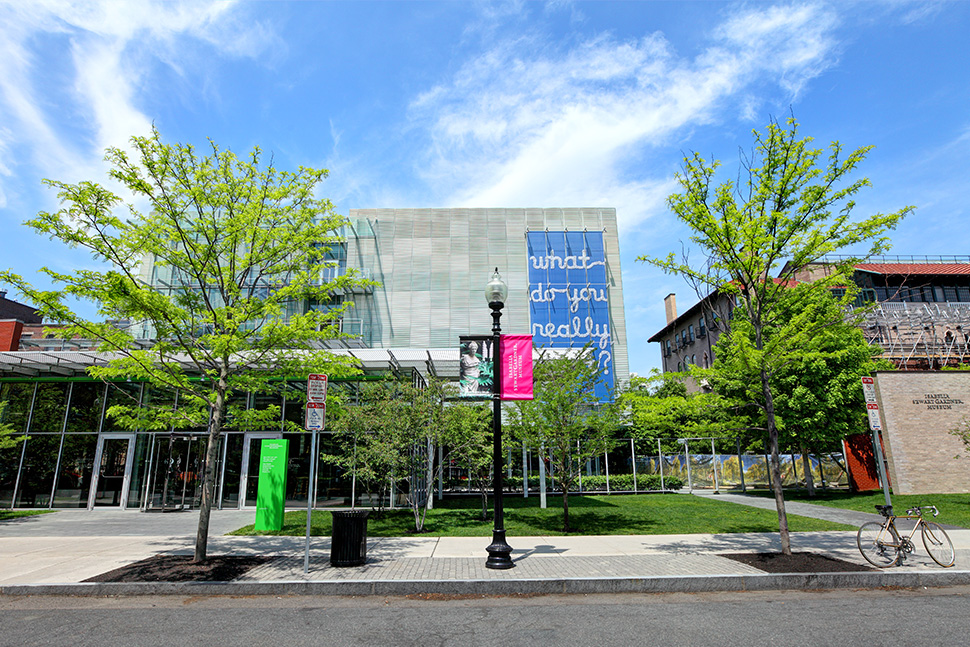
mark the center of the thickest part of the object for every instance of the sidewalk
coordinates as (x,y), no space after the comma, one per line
(52,554)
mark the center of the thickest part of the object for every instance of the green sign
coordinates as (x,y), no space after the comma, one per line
(271,491)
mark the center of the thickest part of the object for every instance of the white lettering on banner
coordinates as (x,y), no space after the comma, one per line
(578,296)
(599,334)
(553,261)
(585,322)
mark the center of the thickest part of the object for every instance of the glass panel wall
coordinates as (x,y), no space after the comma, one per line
(139,470)
(49,404)
(298,469)
(76,469)
(17,397)
(231,470)
(121,394)
(9,466)
(87,404)
(37,471)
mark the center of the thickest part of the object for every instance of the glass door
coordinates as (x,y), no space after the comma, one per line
(178,463)
(113,459)
(249,476)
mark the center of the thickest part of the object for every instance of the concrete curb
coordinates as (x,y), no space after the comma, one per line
(663,584)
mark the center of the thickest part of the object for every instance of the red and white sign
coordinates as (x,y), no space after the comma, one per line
(869,389)
(316,414)
(873,410)
(316,388)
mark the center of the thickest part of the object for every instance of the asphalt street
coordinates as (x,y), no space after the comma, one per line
(780,618)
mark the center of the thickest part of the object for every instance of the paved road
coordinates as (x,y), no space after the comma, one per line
(821,619)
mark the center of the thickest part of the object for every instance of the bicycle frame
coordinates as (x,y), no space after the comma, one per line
(882,545)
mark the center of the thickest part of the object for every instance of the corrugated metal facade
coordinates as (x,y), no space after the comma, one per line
(433,265)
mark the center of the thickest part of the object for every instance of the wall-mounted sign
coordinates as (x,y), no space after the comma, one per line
(869,389)
(569,296)
(938,401)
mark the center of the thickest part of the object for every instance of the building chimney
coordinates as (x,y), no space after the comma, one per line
(10,330)
(670,305)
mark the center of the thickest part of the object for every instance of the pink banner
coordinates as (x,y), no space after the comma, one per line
(516,367)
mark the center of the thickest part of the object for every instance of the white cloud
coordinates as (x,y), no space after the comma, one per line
(520,126)
(96,59)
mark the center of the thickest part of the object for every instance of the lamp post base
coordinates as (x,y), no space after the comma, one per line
(499,552)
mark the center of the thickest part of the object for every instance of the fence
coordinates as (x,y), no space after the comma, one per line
(639,465)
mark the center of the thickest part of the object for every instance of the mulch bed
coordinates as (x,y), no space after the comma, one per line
(179,568)
(796,563)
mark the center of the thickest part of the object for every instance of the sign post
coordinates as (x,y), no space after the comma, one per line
(316,413)
(875,426)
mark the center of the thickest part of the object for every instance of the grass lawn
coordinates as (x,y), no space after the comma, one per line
(954,508)
(641,514)
(16,514)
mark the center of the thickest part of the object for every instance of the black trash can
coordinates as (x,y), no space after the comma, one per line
(348,545)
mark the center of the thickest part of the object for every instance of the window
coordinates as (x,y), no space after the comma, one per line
(701,331)
(690,333)
(693,360)
(679,367)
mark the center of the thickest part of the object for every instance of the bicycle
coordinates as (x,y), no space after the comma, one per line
(883,546)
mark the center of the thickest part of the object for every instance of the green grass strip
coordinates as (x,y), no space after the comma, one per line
(6,515)
(643,514)
(954,508)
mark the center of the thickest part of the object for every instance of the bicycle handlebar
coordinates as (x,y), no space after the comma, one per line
(918,510)
(887,510)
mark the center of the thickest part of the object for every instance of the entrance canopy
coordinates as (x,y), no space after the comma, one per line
(439,362)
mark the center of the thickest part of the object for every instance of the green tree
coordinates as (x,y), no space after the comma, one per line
(659,406)
(471,428)
(818,392)
(565,417)
(240,247)
(393,432)
(790,207)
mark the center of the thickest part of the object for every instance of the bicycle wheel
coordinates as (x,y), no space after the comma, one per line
(878,544)
(938,544)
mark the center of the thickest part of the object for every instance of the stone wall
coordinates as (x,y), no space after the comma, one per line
(918,410)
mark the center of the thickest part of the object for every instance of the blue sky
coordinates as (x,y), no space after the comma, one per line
(494,104)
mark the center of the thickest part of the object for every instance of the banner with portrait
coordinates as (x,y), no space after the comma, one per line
(476,368)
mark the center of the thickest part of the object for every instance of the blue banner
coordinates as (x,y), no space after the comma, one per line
(569,296)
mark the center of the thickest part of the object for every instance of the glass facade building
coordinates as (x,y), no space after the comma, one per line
(565,289)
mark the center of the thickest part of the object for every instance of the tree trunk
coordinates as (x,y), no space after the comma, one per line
(216,413)
(565,508)
(775,465)
(807,466)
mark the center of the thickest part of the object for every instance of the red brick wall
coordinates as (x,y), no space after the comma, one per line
(10,334)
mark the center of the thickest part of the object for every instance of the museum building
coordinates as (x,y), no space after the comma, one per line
(562,266)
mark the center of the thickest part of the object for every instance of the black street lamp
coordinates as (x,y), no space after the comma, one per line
(499,551)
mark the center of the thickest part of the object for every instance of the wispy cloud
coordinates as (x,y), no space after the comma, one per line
(522,126)
(98,58)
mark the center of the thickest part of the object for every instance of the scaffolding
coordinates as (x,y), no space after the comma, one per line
(920,336)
